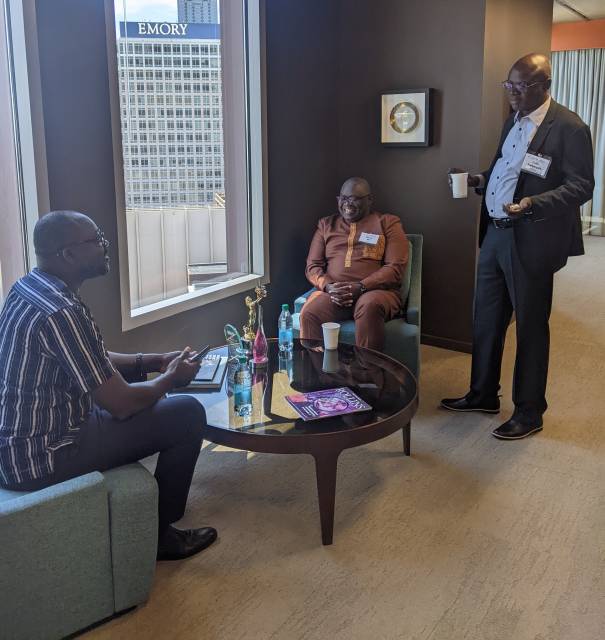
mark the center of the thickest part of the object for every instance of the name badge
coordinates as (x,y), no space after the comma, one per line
(536,164)
(369,238)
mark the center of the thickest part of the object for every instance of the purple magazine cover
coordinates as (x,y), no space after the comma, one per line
(327,403)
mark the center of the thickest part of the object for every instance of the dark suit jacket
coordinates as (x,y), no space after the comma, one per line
(556,232)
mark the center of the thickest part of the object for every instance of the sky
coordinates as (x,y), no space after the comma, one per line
(147,10)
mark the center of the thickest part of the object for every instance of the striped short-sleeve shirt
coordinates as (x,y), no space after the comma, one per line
(52,357)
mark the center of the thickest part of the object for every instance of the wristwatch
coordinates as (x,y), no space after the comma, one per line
(138,367)
(362,289)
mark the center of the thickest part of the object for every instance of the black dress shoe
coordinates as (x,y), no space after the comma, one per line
(514,429)
(176,544)
(468,403)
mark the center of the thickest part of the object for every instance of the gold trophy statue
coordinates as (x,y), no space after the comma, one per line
(261,292)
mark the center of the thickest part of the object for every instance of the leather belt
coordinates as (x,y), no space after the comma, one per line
(507,223)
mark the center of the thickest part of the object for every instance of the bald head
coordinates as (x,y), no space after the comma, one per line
(58,229)
(355,184)
(70,246)
(536,65)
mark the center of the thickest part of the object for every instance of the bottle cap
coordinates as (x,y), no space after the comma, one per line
(285,307)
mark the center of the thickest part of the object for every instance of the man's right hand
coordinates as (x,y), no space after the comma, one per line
(181,369)
(472,181)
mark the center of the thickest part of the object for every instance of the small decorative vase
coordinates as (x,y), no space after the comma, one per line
(260,347)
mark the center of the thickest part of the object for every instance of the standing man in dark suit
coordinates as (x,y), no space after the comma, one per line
(530,223)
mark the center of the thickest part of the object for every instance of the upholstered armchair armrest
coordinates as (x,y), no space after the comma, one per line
(300,301)
(133,516)
(414,301)
(413,311)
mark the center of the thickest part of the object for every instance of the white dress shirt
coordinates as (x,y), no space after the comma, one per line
(503,180)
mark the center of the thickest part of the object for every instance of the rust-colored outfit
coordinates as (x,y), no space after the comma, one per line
(338,254)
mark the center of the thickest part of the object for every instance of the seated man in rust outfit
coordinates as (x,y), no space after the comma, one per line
(357,259)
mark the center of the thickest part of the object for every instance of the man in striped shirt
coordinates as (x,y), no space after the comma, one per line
(65,406)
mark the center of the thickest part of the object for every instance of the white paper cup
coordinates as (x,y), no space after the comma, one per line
(330,362)
(330,330)
(459,185)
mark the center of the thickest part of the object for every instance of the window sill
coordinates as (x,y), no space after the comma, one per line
(172,306)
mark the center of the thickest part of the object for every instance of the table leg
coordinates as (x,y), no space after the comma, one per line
(325,469)
(406,438)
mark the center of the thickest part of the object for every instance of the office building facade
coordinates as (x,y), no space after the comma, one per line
(198,11)
(171,113)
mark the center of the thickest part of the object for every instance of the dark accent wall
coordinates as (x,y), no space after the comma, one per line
(398,45)
(326,63)
(302,116)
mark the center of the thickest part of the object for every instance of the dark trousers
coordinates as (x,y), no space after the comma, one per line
(173,427)
(504,286)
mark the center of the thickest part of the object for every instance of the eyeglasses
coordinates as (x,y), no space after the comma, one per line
(522,86)
(100,240)
(352,199)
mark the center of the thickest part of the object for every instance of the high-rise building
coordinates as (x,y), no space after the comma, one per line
(198,11)
(171,113)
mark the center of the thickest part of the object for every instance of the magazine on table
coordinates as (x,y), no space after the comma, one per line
(327,403)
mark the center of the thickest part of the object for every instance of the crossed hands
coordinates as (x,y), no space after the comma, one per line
(344,294)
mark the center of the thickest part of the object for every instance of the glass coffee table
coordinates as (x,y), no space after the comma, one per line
(274,427)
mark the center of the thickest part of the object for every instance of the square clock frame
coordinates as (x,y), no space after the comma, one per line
(405,118)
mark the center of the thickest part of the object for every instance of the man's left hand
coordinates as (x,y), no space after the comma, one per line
(514,210)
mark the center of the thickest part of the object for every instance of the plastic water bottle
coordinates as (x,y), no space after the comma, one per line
(242,388)
(284,327)
(286,365)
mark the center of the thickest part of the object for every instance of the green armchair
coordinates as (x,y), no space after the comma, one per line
(402,334)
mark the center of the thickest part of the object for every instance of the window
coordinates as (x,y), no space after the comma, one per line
(171,226)
(17,152)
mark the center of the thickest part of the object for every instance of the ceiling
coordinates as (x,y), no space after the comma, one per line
(593,9)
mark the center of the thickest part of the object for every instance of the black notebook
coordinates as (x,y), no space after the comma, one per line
(208,368)
(215,383)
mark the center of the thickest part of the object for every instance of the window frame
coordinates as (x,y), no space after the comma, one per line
(250,14)
(21,140)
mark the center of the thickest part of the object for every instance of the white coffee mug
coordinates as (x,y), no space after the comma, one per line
(459,185)
(330,330)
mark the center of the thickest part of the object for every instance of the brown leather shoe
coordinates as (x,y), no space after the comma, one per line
(177,544)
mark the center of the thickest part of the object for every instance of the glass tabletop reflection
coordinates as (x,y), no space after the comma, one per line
(387,386)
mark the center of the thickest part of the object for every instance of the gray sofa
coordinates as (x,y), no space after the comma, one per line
(76,552)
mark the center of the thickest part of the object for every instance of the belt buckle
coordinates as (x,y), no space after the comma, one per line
(502,223)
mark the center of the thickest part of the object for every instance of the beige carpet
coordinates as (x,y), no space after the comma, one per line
(470,538)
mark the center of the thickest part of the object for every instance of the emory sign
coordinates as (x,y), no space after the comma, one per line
(162,28)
